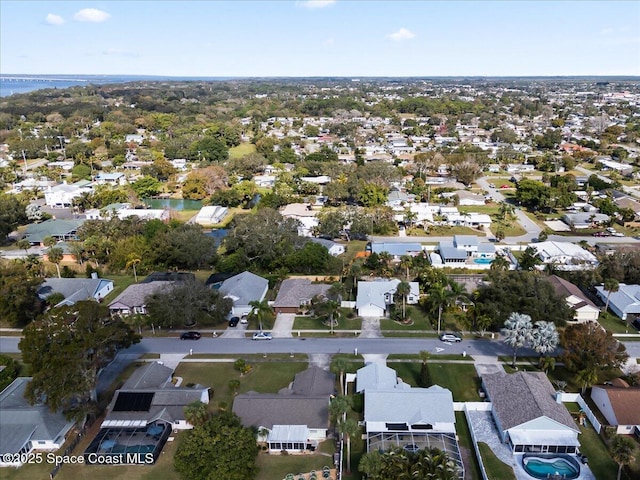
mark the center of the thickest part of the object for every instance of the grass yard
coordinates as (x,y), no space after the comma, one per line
(312,323)
(419,318)
(242,150)
(276,467)
(120,282)
(472,467)
(599,460)
(613,324)
(439,231)
(495,468)
(460,378)
(264,377)
(183,215)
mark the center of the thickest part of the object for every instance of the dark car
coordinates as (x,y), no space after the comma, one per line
(190,336)
(636,324)
(233,321)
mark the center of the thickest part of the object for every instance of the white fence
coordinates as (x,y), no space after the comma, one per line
(577,398)
(480,406)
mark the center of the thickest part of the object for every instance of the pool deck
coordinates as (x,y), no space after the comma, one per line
(485,431)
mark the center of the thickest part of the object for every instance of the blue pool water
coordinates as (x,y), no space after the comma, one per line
(541,467)
(482,260)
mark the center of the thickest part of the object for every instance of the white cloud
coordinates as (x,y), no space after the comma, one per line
(119,53)
(400,35)
(91,15)
(317,3)
(53,19)
(328,42)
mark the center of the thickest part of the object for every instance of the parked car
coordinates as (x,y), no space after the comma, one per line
(262,336)
(411,447)
(505,186)
(233,321)
(190,336)
(492,185)
(244,319)
(450,337)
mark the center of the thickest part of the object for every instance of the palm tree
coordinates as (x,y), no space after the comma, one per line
(622,452)
(339,407)
(339,366)
(403,290)
(55,255)
(24,244)
(500,263)
(196,413)
(611,285)
(260,309)
(587,377)
(371,464)
(545,337)
(49,241)
(77,250)
(517,331)
(133,260)
(405,264)
(234,385)
(348,427)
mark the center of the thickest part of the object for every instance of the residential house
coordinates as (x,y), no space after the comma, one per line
(61,230)
(374,298)
(242,289)
(161,214)
(396,249)
(133,299)
(295,293)
(584,310)
(396,414)
(618,404)
(304,214)
(141,417)
(25,427)
(608,164)
(62,196)
(112,179)
(211,214)
(334,248)
(527,415)
(296,419)
(397,198)
(465,251)
(585,219)
(75,289)
(472,220)
(564,256)
(466,198)
(625,302)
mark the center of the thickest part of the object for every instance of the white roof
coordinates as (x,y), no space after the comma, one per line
(411,405)
(288,433)
(372,293)
(375,376)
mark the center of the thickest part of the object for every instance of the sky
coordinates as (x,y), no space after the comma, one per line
(351,38)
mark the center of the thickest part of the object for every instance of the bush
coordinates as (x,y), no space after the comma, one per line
(10,372)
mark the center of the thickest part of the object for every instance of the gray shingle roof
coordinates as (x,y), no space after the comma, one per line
(152,375)
(36,232)
(75,289)
(520,397)
(244,288)
(314,381)
(135,295)
(21,422)
(565,289)
(267,410)
(295,290)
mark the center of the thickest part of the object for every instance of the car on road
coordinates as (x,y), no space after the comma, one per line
(244,319)
(190,336)
(233,321)
(411,447)
(450,337)
(262,336)
(492,185)
(505,186)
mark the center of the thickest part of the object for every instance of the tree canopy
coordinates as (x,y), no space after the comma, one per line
(66,348)
(217,449)
(19,303)
(587,347)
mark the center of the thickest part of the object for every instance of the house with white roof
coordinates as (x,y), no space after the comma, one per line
(564,256)
(465,251)
(374,298)
(61,196)
(466,198)
(111,179)
(624,302)
(211,214)
(334,248)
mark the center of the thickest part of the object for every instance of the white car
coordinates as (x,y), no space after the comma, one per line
(450,337)
(262,336)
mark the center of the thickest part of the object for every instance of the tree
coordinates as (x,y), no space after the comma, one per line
(589,346)
(622,451)
(425,375)
(261,310)
(210,150)
(66,348)
(186,304)
(339,366)
(234,385)
(146,187)
(529,259)
(500,263)
(348,427)
(544,337)
(611,285)
(55,255)
(403,290)
(23,244)
(339,406)
(19,303)
(587,377)
(219,449)
(396,463)
(518,332)
(132,261)
(196,413)
(12,213)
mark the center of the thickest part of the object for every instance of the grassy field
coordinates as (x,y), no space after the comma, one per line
(242,150)
(419,319)
(495,468)
(276,467)
(613,324)
(438,231)
(460,378)
(600,462)
(263,378)
(120,282)
(312,323)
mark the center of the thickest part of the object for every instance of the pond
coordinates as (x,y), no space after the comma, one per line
(173,203)
(218,235)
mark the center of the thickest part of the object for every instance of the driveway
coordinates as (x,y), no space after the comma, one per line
(235,332)
(370,327)
(283,325)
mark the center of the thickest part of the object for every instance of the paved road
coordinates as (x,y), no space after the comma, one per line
(233,346)
(628,190)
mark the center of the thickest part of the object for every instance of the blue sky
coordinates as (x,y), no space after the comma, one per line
(320,38)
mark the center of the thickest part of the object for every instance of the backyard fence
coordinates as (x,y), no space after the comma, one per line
(577,398)
(481,406)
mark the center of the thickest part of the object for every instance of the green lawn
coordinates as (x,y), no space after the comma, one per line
(613,324)
(276,467)
(439,231)
(242,150)
(120,282)
(466,443)
(312,323)
(599,460)
(264,377)
(495,468)
(419,318)
(460,378)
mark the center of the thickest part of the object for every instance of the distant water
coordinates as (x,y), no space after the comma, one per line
(173,203)
(16,84)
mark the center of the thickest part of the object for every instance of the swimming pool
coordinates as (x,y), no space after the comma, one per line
(542,467)
(482,260)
